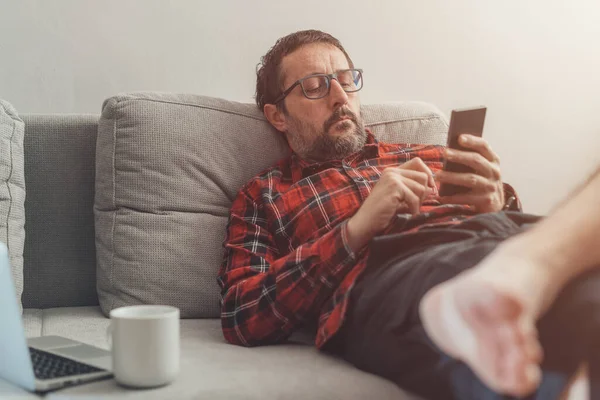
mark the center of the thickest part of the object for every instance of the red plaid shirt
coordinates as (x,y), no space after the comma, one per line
(287,261)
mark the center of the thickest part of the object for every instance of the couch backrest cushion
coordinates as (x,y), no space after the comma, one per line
(60,252)
(12,191)
(167,169)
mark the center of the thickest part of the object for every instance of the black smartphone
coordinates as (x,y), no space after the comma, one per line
(466,120)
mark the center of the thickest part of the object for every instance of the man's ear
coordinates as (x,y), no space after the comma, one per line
(275,117)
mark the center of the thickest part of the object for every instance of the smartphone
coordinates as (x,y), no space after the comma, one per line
(466,120)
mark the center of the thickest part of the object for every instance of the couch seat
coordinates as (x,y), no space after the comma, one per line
(214,369)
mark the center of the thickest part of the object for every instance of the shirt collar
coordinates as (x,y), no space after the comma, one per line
(302,168)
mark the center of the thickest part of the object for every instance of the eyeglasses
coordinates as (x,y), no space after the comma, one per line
(318,86)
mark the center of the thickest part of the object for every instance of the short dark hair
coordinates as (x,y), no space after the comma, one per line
(268,74)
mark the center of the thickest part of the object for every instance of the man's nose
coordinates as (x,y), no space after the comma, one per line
(337,95)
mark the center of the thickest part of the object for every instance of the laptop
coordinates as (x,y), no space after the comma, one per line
(43,363)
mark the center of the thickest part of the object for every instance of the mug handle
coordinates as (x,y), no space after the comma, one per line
(109,331)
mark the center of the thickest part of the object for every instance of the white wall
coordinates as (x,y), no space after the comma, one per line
(534,63)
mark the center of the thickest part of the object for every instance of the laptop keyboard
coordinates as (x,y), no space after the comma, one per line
(49,366)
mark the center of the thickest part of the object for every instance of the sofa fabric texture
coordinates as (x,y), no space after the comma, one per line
(214,369)
(60,249)
(12,191)
(167,170)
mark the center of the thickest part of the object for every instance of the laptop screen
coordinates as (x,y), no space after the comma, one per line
(15,362)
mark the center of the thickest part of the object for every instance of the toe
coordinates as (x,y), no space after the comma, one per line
(523,378)
(529,338)
(533,351)
(521,372)
(533,378)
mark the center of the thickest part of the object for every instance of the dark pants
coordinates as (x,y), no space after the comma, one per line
(383,334)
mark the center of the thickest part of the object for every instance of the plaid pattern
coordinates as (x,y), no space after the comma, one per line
(287,262)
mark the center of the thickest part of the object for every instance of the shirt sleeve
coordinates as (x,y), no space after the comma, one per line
(266,295)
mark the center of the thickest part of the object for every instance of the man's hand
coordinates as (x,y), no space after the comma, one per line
(487,191)
(399,188)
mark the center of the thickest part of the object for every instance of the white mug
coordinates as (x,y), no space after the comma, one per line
(145,345)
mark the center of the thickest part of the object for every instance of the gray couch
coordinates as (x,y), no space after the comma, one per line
(65,239)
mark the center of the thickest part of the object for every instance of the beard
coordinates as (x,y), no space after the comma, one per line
(313,144)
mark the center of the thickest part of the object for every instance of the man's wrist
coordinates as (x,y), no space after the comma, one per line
(356,239)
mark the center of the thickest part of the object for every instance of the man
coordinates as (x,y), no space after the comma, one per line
(351,233)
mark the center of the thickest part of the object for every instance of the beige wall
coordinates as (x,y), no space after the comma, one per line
(534,63)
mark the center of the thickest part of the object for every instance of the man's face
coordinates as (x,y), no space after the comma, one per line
(323,129)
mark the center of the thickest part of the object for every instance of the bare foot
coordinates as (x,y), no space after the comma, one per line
(485,317)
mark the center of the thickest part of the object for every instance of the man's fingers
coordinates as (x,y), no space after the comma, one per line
(417,176)
(420,190)
(474,160)
(412,200)
(417,164)
(472,181)
(479,145)
(413,194)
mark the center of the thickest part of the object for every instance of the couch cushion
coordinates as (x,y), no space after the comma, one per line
(32,322)
(60,249)
(213,369)
(12,191)
(167,169)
